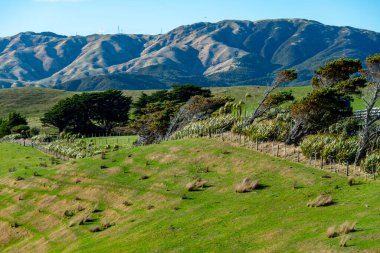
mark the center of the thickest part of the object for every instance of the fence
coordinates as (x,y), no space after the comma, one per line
(39,146)
(281,150)
(361,114)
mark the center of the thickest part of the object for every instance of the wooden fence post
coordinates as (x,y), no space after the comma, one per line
(321,162)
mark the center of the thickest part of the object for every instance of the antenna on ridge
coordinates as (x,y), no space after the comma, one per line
(118,29)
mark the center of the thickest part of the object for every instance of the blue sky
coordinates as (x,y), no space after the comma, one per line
(83,17)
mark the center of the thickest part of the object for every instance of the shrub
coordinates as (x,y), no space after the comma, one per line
(247,185)
(196,185)
(321,200)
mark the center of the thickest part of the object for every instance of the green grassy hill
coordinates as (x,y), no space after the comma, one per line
(34,102)
(140,192)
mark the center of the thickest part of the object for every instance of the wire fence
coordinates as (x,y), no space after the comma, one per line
(41,146)
(281,150)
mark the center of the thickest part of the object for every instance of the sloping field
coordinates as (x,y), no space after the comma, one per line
(135,200)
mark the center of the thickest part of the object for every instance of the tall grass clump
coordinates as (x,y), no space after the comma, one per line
(219,123)
(330,146)
(274,129)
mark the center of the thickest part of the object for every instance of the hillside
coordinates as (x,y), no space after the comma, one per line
(141,193)
(33,102)
(230,52)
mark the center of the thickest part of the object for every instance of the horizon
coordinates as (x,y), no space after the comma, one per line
(87,17)
(84,35)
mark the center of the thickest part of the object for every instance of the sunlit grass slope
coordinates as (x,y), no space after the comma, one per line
(140,193)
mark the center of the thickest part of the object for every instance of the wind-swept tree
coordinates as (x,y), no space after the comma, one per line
(330,99)
(282,77)
(370,96)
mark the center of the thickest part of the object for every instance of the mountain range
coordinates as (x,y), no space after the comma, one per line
(226,53)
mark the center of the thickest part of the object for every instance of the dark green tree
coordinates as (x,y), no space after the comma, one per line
(13,120)
(178,94)
(89,112)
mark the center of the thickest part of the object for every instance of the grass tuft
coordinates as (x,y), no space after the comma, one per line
(347,227)
(343,242)
(331,232)
(321,200)
(351,181)
(247,185)
(196,185)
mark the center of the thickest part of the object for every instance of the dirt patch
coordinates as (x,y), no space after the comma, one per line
(9,233)
(39,246)
(91,194)
(44,222)
(114,170)
(117,199)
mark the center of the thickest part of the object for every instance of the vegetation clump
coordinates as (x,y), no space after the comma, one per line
(343,242)
(196,185)
(321,200)
(247,185)
(101,227)
(332,232)
(347,227)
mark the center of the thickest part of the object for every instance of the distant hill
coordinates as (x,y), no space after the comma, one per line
(226,53)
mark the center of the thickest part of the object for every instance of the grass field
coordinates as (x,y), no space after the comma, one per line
(141,193)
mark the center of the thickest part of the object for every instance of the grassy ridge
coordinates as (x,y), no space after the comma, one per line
(142,191)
